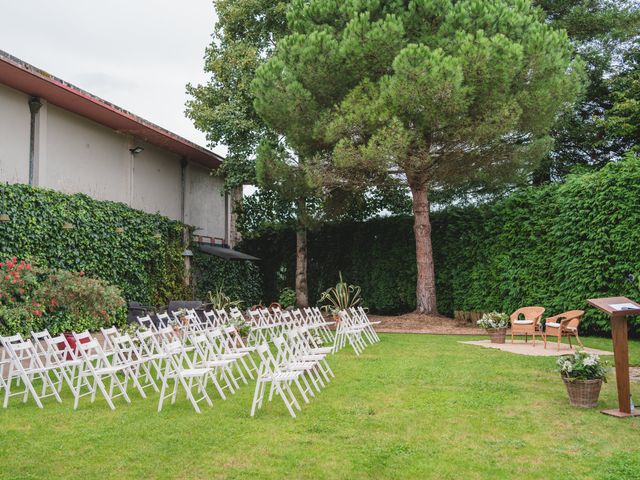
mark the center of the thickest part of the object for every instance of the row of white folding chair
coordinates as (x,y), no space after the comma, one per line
(298,362)
(88,369)
(269,323)
(349,330)
(360,317)
(21,364)
(213,354)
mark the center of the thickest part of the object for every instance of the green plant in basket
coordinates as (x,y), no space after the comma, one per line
(582,366)
(242,326)
(341,297)
(494,320)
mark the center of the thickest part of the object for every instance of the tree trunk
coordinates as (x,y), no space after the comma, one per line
(302,294)
(302,291)
(426,279)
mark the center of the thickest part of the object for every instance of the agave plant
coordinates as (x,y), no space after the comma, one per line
(341,297)
(220,301)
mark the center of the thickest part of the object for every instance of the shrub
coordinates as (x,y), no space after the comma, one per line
(34,298)
(287,297)
(76,302)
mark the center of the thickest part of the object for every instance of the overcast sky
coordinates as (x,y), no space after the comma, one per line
(137,54)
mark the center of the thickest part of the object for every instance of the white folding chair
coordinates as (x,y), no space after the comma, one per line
(181,370)
(24,364)
(280,381)
(94,370)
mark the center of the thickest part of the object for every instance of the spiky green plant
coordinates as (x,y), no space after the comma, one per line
(341,297)
(218,300)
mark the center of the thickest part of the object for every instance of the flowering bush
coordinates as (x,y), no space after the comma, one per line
(76,302)
(494,320)
(32,299)
(582,366)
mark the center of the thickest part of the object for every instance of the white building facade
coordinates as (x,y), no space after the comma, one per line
(57,136)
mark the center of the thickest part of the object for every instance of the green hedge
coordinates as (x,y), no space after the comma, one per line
(239,279)
(146,268)
(555,246)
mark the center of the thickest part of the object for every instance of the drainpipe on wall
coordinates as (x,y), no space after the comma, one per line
(185,232)
(183,188)
(34,107)
(226,219)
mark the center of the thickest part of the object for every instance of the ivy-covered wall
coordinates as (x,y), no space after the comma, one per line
(108,240)
(238,279)
(553,246)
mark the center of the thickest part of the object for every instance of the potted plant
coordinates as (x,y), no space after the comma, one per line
(496,325)
(182,316)
(340,297)
(242,327)
(582,374)
(175,324)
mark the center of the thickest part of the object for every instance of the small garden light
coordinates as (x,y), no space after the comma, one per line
(136,150)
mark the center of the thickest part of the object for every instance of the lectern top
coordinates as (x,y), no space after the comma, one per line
(615,306)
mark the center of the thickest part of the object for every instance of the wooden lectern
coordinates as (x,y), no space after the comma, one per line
(618,309)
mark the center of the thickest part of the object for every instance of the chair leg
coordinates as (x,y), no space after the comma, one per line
(578,340)
(569,337)
(559,337)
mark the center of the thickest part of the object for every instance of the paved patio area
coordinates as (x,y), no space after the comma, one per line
(522,348)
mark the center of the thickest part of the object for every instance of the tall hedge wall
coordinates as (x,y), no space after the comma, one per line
(554,246)
(239,279)
(146,268)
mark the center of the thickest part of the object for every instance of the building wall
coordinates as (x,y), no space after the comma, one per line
(206,202)
(83,156)
(76,155)
(14,136)
(157,181)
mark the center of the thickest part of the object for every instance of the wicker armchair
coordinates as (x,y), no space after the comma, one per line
(527,325)
(564,325)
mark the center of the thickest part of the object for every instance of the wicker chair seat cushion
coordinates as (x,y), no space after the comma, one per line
(552,324)
(523,322)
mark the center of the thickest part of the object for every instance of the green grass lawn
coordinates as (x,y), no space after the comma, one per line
(413,406)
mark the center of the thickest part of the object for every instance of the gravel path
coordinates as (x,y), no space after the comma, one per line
(414,323)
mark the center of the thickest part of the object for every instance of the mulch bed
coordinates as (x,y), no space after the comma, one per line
(417,323)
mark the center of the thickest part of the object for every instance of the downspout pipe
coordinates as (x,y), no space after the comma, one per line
(183,188)
(34,107)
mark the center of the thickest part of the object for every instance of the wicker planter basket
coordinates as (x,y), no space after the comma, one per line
(583,393)
(497,335)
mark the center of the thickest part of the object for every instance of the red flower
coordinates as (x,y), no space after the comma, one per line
(29,266)
(81,273)
(103,312)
